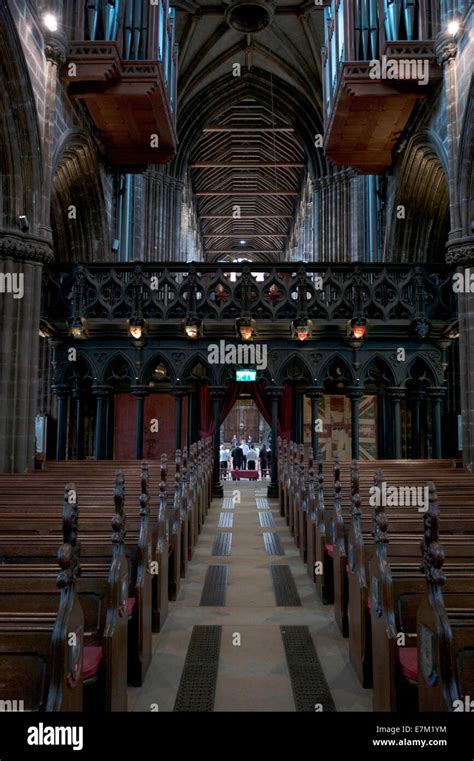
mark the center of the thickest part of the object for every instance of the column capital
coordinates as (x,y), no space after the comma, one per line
(61,389)
(55,48)
(354,392)
(460,251)
(274,392)
(140,391)
(436,392)
(396,392)
(179,392)
(314,392)
(217,392)
(25,248)
(102,391)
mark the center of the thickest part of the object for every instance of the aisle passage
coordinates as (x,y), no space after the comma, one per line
(248,631)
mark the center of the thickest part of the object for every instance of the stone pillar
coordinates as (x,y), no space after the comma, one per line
(314,394)
(217,394)
(396,395)
(316,210)
(21,261)
(274,393)
(78,396)
(436,395)
(102,394)
(416,399)
(140,393)
(354,394)
(179,393)
(62,395)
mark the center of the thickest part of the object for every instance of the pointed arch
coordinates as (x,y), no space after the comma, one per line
(158,358)
(381,360)
(333,359)
(297,359)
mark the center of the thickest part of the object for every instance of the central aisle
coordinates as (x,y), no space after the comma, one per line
(257,670)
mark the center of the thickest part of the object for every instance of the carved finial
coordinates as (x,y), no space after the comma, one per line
(337,472)
(431,550)
(119,519)
(380,516)
(68,552)
(144,477)
(355,488)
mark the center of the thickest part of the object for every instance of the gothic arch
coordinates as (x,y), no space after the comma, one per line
(422,189)
(77,183)
(196,358)
(20,146)
(299,361)
(424,365)
(82,368)
(369,364)
(117,364)
(333,359)
(158,358)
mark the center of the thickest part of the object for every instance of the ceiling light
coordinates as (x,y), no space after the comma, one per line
(193,328)
(453,28)
(243,242)
(77,327)
(244,328)
(302,329)
(160,371)
(51,22)
(357,328)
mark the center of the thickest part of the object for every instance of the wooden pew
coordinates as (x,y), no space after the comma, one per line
(40,663)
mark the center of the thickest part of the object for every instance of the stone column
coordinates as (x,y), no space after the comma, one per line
(62,395)
(316,210)
(101,393)
(396,395)
(217,394)
(354,393)
(274,393)
(314,394)
(417,399)
(140,393)
(436,395)
(78,396)
(179,393)
(21,261)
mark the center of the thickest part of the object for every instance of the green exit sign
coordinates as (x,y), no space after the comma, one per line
(246,376)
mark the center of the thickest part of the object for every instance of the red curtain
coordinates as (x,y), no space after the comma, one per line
(257,392)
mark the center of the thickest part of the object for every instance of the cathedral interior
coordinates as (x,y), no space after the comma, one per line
(236,310)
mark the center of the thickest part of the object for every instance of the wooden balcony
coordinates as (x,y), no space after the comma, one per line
(372,83)
(130,99)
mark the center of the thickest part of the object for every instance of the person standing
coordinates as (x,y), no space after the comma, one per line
(245,449)
(237,457)
(251,459)
(263,461)
(224,460)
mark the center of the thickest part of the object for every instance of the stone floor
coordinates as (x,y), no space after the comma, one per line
(253,676)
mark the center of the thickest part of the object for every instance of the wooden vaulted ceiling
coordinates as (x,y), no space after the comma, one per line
(248,141)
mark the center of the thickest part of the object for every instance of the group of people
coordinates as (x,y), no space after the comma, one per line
(244,456)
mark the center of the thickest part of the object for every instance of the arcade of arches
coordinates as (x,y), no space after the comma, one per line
(216,223)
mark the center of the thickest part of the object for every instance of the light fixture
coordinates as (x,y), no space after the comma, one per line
(245,328)
(77,327)
(51,22)
(302,329)
(453,27)
(136,328)
(160,371)
(243,242)
(357,328)
(454,333)
(193,328)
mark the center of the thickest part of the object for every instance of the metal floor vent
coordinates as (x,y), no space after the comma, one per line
(226,520)
(286,593)
(310,688)
(222,543)
(214,590)
(197,687)
(266,519)
(262,503)
(229,503)
(272,542)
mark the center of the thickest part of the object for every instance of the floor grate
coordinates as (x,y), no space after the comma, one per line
(214,590)
(262,503)
(310,689)
(197,687)
(229,503)
(266,519)
(222,543)
(226,520)
(286,593)
(272,542)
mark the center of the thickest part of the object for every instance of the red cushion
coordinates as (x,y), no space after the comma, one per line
(92,659)
(408,658)
(130,605)
(330,550)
